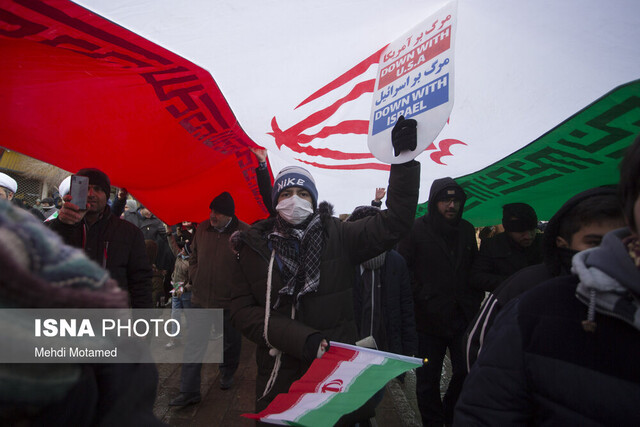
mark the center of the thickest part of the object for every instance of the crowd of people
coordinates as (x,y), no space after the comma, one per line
(540,328)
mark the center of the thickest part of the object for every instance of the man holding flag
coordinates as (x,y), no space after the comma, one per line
(293,283)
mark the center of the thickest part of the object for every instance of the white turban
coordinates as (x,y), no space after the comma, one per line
(7,182)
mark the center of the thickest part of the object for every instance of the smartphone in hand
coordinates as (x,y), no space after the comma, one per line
(79,190)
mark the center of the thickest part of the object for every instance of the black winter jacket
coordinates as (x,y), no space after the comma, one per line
(444,300)
(397,305)
(122,243)
(557,261)
(538,366)
(328,311)
(499,258)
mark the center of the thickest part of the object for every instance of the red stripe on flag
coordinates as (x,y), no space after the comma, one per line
(376,166)
(357,127)
(320,370)
(346,77)
(322,115)
(329,153)
(281,403)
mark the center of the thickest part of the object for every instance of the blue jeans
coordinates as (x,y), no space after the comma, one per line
(177,304)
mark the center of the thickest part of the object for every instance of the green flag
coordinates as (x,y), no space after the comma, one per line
(580,153)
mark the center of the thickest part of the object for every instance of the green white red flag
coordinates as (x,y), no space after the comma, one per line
(338,383)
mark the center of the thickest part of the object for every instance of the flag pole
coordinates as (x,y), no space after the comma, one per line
(401,357)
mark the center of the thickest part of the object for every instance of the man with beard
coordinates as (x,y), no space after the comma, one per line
(439,252)
(8,187)
(115,244)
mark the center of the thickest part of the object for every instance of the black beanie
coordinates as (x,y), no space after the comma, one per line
(525,217)
(223,204)
(97,178)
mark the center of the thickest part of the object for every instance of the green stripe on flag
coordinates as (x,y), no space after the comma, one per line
(581,153)
(359,391)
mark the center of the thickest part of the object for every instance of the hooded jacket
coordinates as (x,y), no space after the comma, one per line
(542,364)
(557,261)
(329,310)
(439,256)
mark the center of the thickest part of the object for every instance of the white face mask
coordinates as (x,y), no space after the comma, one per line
(294,209)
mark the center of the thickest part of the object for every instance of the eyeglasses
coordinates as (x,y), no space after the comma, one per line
(450,200)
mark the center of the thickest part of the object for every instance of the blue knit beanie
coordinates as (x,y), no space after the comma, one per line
(294,176)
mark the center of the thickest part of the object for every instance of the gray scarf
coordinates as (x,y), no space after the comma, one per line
(602,292)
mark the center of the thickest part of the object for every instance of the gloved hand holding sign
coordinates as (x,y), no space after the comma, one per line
(404,135)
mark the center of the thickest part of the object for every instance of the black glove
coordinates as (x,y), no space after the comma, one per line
(310,350)
(404,135)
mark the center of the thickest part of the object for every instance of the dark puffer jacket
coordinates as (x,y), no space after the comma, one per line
(566,352)
(444,300)
(122,243)
(557,261)
(330,309)
(538,366)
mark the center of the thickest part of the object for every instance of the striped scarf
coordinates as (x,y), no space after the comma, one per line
(298,251)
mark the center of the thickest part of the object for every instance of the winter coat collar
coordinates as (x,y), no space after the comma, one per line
(609,281)
(231,227)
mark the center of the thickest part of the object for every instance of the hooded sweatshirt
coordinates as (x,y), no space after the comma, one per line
(439,255)
(609,279)
(556,262)
(564,353)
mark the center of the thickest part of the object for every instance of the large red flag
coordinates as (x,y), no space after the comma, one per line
(79,91)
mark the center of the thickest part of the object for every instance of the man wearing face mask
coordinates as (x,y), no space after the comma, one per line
(292,287)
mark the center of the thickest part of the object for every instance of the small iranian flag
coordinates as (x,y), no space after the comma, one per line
(338,383)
